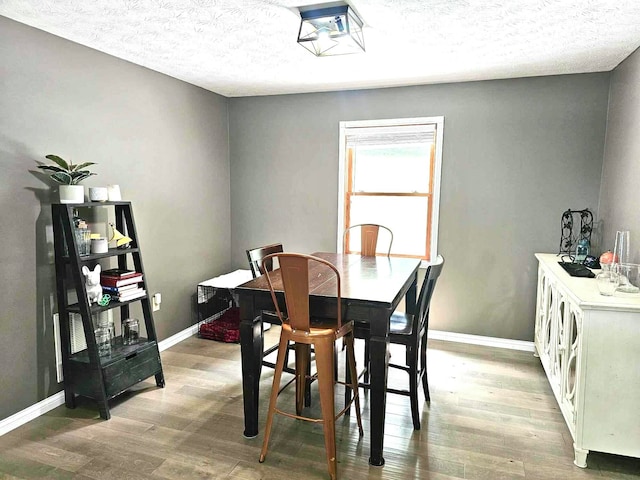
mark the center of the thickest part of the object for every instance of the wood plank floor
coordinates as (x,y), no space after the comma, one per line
(492,416)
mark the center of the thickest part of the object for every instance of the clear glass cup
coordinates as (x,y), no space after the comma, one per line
(608,281)
(103,339)
(629,278)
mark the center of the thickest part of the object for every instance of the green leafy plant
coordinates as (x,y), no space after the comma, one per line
(66,173)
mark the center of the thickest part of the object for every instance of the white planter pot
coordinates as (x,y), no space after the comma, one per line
(71,194)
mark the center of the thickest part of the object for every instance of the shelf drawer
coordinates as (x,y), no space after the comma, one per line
(131,369)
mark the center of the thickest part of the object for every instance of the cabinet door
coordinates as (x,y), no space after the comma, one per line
(570,372)
(556,337)
(546,321)
(561,346)
(542,292)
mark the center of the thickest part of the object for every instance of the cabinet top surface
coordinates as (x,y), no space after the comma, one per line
(585,290)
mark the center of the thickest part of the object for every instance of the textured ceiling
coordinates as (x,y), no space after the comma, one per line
(248,47)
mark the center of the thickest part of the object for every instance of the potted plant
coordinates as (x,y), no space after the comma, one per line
(68,175)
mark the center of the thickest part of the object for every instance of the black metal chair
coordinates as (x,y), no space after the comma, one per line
(411,331)
(258,267)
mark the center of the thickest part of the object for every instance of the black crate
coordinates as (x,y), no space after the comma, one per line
(212,302)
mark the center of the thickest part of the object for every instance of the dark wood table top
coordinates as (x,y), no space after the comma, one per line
(376,280)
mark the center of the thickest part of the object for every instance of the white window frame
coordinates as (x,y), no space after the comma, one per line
(435,214)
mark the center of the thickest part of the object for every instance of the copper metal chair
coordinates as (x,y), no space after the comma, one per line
(296,270)
(369,233)
(411,331)
(368,238)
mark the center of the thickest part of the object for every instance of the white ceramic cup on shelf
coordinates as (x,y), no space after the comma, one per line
(98,194)
(99,245)
(114,193)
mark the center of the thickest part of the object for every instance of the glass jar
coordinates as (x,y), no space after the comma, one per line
(582,250)
(130,331)
(103,339)
(83,238)
(111,326)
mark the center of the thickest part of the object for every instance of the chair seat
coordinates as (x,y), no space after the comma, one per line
(319,328)
(401,324)
(270,317)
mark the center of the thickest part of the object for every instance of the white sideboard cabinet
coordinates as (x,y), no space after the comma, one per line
(589,346)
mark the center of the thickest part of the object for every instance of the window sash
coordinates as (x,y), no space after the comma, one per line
(433,125)
(349,193)
(424,252)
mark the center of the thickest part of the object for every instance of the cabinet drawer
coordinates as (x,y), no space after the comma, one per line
(129,370)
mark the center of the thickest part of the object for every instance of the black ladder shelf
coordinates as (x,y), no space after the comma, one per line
(85,372)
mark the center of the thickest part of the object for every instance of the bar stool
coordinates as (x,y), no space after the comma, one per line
(369,233)
(305,331)
(411,330)
(258,266)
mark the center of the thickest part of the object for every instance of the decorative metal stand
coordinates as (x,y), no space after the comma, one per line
(569,240)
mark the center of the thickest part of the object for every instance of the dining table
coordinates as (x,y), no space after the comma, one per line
(372,287)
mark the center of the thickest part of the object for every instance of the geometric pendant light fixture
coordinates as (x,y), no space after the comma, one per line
(334,29)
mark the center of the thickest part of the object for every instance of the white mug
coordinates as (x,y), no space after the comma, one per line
(114,193)
(99,245)
(98,194)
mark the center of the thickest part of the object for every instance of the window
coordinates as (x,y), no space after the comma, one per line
(390,175)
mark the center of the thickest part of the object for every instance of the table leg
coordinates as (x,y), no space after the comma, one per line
(379,363)
(251,345)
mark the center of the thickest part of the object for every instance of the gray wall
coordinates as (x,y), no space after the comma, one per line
(517,153)
(163,141)
(620,192)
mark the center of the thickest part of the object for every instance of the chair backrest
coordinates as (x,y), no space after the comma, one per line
(296,270)
(428,286)
(368,238)
(256,258)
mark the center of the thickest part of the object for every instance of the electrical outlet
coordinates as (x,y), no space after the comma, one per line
(155,302)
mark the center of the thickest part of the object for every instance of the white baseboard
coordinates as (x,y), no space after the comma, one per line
(178,337)
(29,413)
(480,340)
(57,399)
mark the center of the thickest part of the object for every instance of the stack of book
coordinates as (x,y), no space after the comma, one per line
(122,285)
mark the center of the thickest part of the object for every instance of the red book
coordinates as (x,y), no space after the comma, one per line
(119,273)
(119,282)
